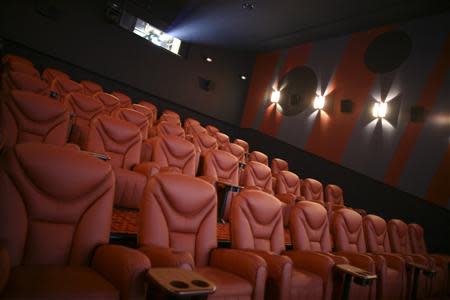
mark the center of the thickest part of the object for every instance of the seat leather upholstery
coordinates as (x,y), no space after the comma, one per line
(243,144)
(147,112)
(56,210)
(14,80)
(236,150)
(29,117)
(50,73)
(185,209)
(121,141)
(259,157)
(165,128)
(152,108)
(91,88)
(62,86)
(312,190)
(125,100)
(134,117)
(212,130)
(277,165)
(257,175)
(110,102)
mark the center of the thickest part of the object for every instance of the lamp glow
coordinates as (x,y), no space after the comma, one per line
(275,96)
(319,102)
(379,109)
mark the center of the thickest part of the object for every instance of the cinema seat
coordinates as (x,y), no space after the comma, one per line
(146,112)
(49,74)
(441,262)
(134,117)
(169,112)
(257,227)
(288,183)
(212,130)
(377,241)
(243,144)
(277,165)
(121,141)
(152,107)
(165,128)
(189,122)
(170,154)
(204,143)
(223,140)
(178,230)
(109,101)
(170,118)
(56,214)
(84,109)
(11,58)
(195,130)
(24,82)
(125,100)
(334,199)
(221,169)
(90,87)
(312,190)
(236,150)
(259,157)
(60,87)
(20,67)
(29,117)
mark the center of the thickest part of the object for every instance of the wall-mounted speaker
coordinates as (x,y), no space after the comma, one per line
(417,114)
(205,84)
(346,106)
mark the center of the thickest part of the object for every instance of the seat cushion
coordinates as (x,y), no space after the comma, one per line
(305,285)
(57,282)
(228,286)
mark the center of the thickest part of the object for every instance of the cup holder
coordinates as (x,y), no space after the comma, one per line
(179,284)
(200,283)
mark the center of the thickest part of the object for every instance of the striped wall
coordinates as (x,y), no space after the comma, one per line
(412,156)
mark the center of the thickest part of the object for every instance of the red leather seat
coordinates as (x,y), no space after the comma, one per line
(257,227)
(288,183)
(11,58)
(12,80)
(20,67)
(29,117)
(178,229)
(146,112)
(188,123)
(109,101)
(212,130)
(151,107)
(377,241)
(243,144)
(85,109)
(134,117)
(90,87)
(196,130)
(50,74)
(122,142)
(312,190)
(441,262)
(165,128)
(61,86)
(259,157)
(170,117)
(349,242)
(277,165)
(171,154)
(334,197)
(125,100)
(204,142)
(222,140)
(56,214)
(236,150)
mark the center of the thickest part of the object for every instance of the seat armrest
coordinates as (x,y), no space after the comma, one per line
(124,267)
(362,261)
(167,257)
(427,271)
(5,268)
(313,262)
(287,198)
(148,168)
(336,258)
(243,264)
(360,276)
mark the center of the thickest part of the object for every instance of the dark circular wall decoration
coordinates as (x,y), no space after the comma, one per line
(298,89)
(387,51)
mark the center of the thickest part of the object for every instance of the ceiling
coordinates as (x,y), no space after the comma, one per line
(281,23)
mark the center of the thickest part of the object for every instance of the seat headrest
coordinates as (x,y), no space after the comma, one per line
(37,107)
(91,87)
(124,100)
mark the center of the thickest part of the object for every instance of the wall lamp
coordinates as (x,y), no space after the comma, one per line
(379,109)
(319,102)
(275,97)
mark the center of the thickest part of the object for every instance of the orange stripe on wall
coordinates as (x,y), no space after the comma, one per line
(296,56)
(412,131)
(329,136)
(439,189)
(265,65)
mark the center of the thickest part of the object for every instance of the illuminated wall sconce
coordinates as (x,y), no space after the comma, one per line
(319,102)
(275,97)
(379,109)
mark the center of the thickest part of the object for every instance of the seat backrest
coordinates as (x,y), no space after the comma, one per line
(49,74)
(170,118)
(243,144)
(376,234)
(212,130)
(85,109)
(175,152)
(287,183)
(348,231)
(196,129)
(25,82)
(259,157)
(134,117)
(188,122)
(116,138)
(90,87)
(16,66)
(312,190)
(277,165)
(179,212)
(56,205)
(169,112)
(152,107)
(29,117)
(222,166)
(11,58)
(257,175)
(236,150)
(399,236)
(417,239)
(204,142)
(61,86)
(125,100)
(146,112)
(256,222)
(223,140)
(309,227)
(334,194)
(109,101)
(165,128)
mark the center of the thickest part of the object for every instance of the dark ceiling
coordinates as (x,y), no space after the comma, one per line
(282,23)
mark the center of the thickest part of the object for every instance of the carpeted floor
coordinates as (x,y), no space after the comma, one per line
(126,221)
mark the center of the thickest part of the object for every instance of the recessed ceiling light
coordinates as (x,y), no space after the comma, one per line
(243,77)
(208,59)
